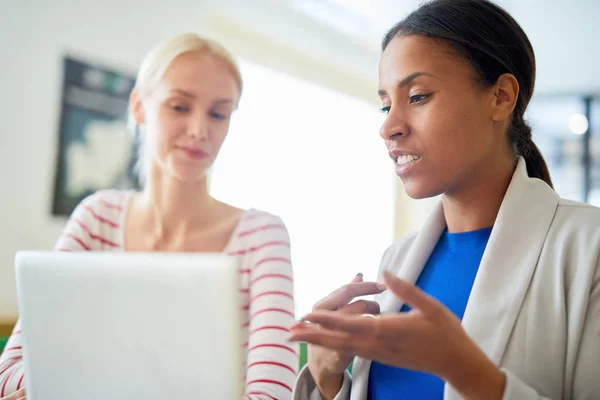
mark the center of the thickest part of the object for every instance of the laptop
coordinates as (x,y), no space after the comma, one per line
(129,326)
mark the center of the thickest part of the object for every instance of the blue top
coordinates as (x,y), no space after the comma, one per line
(448,276)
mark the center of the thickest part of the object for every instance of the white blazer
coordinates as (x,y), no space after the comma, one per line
(534,308)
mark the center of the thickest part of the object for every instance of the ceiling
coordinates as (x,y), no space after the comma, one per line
(565,33)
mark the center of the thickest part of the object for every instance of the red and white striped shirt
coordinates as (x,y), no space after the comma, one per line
(262,244)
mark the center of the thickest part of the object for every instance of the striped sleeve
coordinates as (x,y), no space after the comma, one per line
(83,232)
(93,225)
(272,360)
(11,364)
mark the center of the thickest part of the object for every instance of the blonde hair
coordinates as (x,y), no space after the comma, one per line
(153,68)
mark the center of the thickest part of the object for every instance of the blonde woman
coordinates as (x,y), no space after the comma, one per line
(186,91)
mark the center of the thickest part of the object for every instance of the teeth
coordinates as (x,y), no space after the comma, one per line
(407,158)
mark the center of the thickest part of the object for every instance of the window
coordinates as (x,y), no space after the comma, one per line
(566,129)
(314,157)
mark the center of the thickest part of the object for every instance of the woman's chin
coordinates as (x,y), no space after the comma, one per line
(189,175)
(417,191)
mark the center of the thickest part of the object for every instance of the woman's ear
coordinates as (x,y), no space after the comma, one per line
(506,94)
(136,106)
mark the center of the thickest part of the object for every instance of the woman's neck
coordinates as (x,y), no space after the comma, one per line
(173,208)
(476,205)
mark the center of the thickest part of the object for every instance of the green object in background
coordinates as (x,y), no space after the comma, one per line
(304,357)
(3,341)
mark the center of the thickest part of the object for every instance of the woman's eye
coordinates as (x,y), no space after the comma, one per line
(218,115)
(385,110)
(179,108)
(418,98)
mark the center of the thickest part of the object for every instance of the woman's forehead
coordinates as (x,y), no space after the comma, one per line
(415,54)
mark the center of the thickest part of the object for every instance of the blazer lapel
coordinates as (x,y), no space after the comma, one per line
(409,270)
(508,263)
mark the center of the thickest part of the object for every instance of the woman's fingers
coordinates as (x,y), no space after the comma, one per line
(340,300)
(312,334)
(18,395)
(343,323)
(412,295)
(357,278)
(361,307)
(347,293)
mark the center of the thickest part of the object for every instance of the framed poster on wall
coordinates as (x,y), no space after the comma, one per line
(95,149)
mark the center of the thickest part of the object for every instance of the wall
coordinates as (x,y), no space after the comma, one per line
(273,34)
(564,36)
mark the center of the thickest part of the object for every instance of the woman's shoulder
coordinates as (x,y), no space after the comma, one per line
(575,216)
(255,217)
(574,236)
(577,206)
(107,203)
(259,226)
(110,198)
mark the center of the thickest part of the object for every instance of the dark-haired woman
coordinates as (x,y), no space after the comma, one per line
(498,295)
